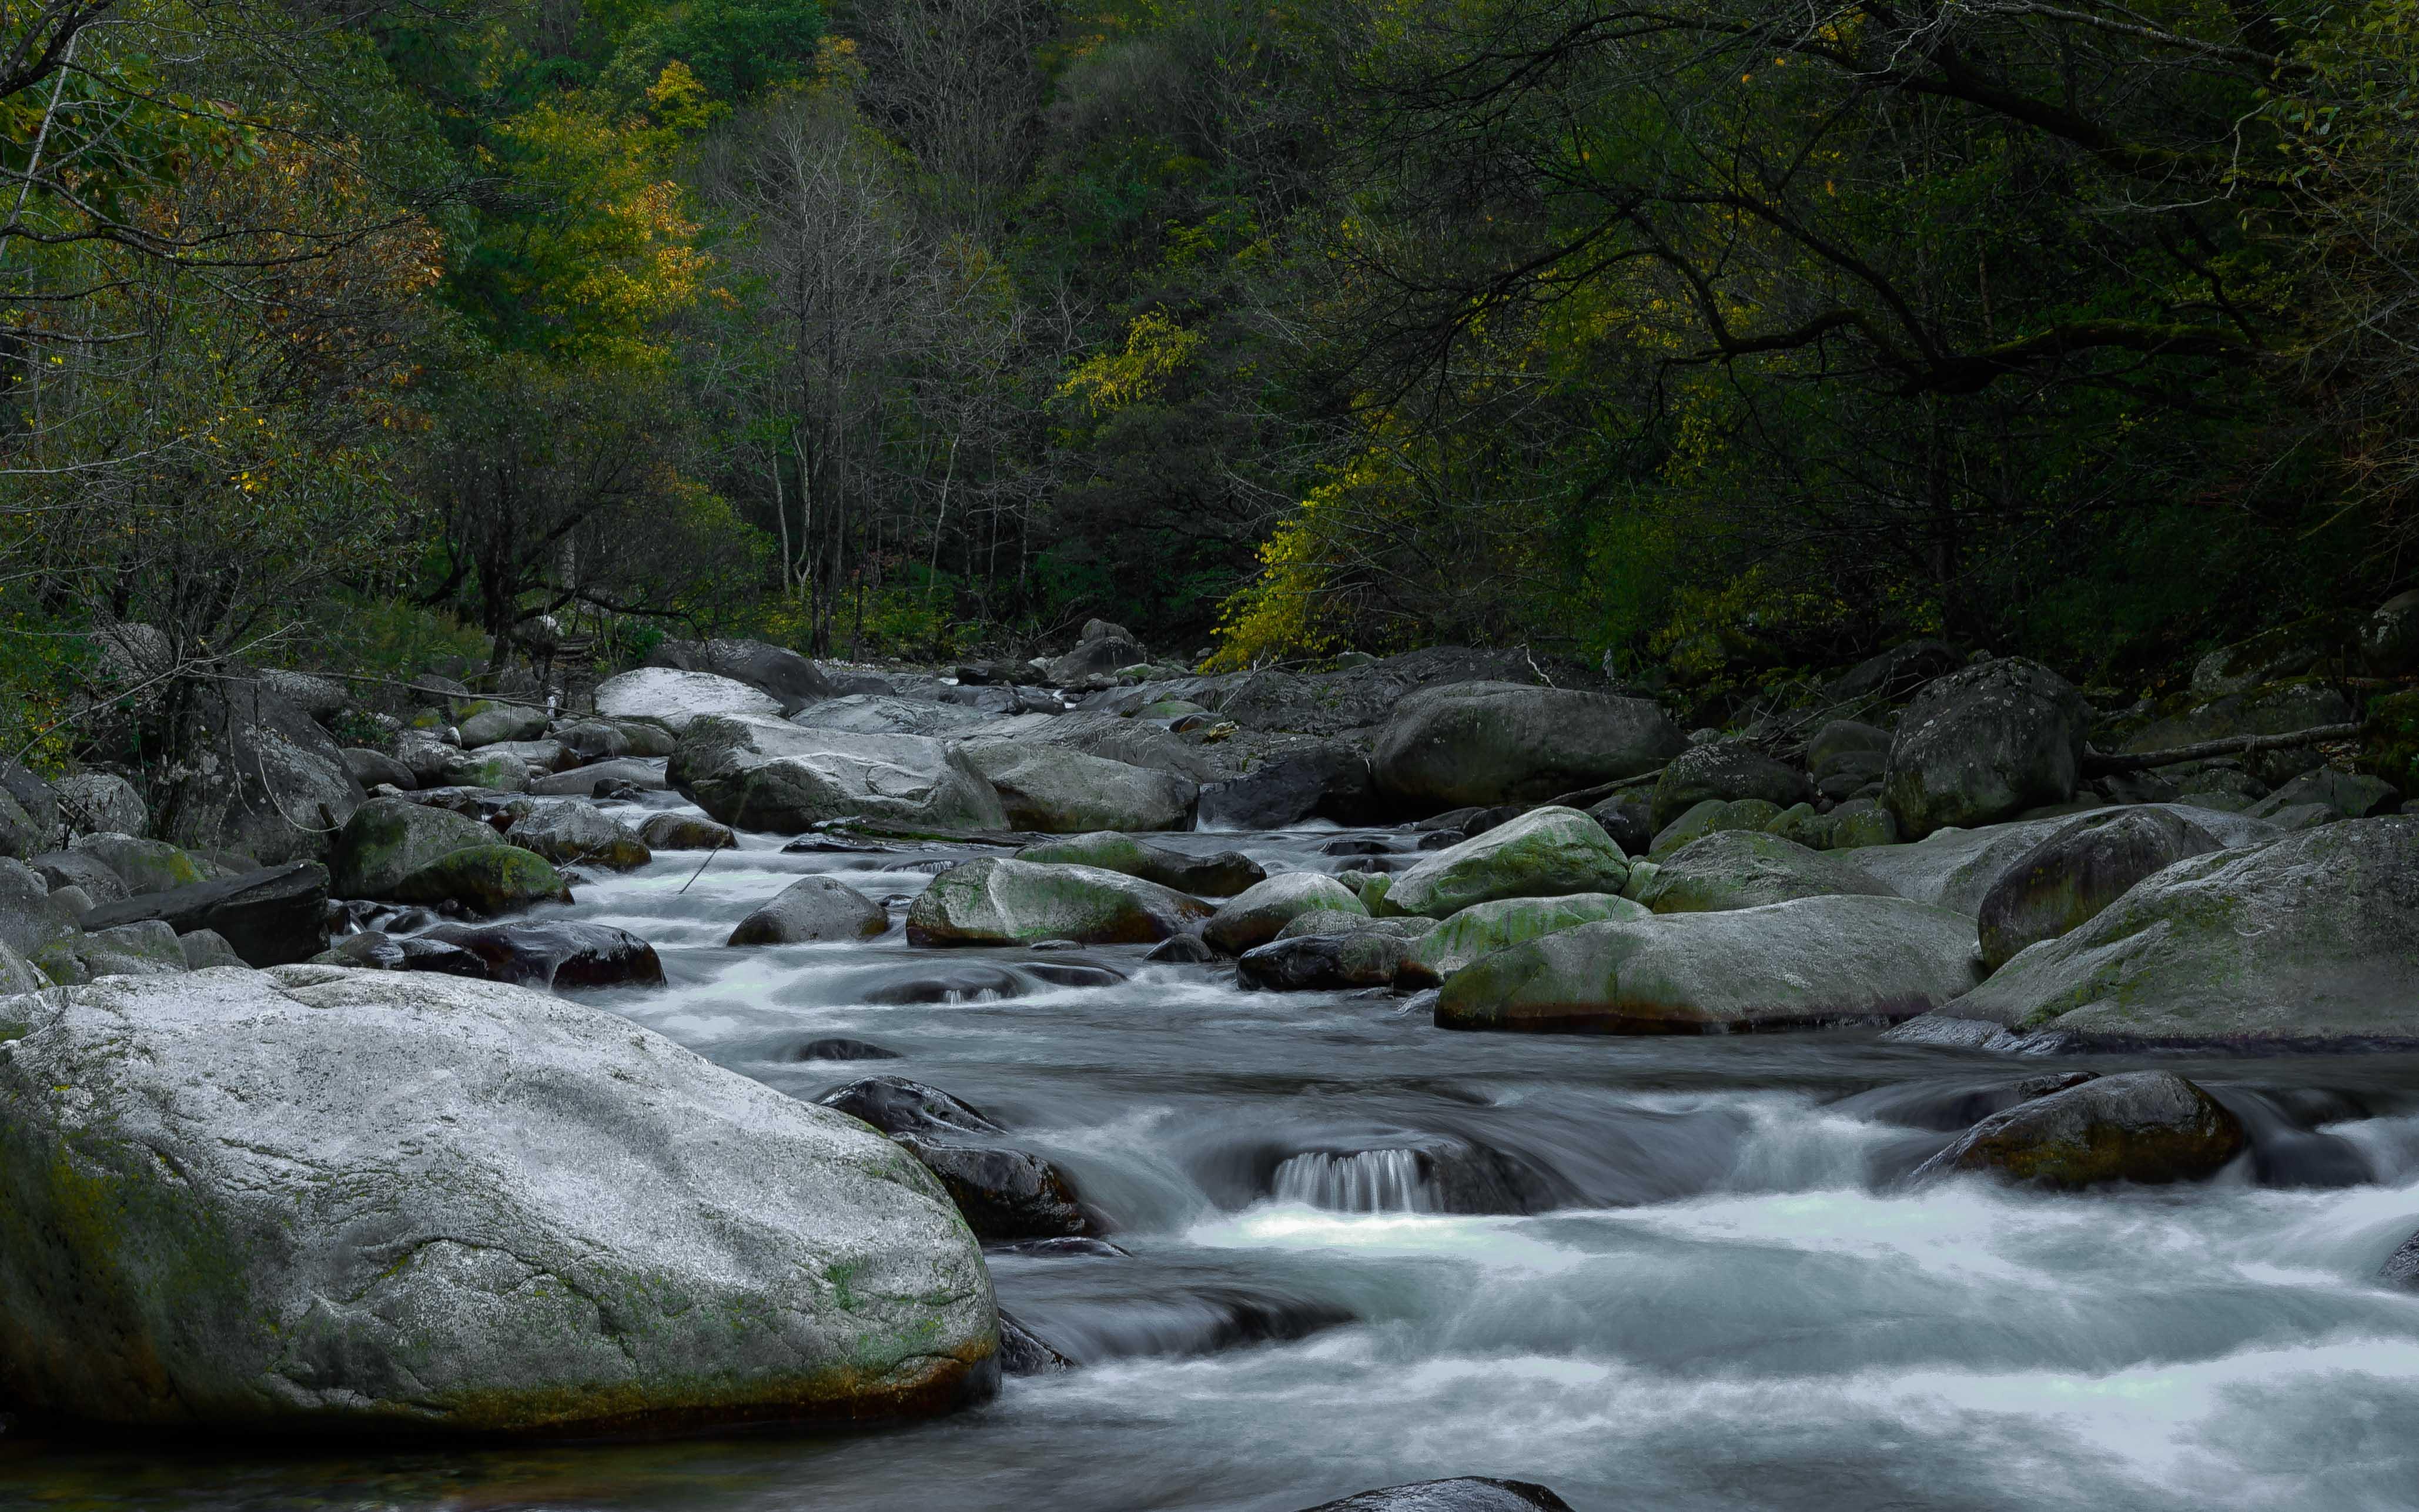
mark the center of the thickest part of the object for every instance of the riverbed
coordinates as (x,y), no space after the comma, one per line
(1695,1276)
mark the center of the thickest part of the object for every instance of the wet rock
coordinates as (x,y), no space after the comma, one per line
(1004,1193)
(377,950)
(1957,868)
(1467,1493)
(896,1105)
(646,774)
(205,949)
(774,777)
(1253,917)
(1744,868)
(556,955)
(2148,1127)
(490,1138)
(496,770)
(1284,790)
(1490,743)
(812,908)
(1983,744)
(2343,794)
(840,1048)
(370,768)
(387,840)
(579,834)
(1058,792)
(779,672)
(2303,943)
(1075,1248)
(485,880)
(1072,973)
(1811,960)
(99,803)
(1547,853)
(1183,950)
(271,918)
(1220,875)
(670,831)
(1626,818)
(2401,1268)
(1324,963)
(676,699)
(2080,869)
(1023,1353)
(1726,770)
(1715,816)
(996,901)
(1486,928)
(970,982)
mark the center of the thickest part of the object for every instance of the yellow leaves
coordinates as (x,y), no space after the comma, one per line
(680,103)
(1156,349)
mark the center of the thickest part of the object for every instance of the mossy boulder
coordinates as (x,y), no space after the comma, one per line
(1464,743)
(1984,745)
(2150,1127)
(389,839)
(579,834)
(1253,917)
(997,900)
(2309,942)
(1054,791)
(1218,875)
(1546,853)
(143,865)
(754,773)
(1812,961)
(1747,869)
(485,723)
(2080,869)
(147,948)
(675,831)
(499,770)
(485,880)
(314,1202)
(1859,822)
(1482,929)
(1712,817)
(1725,770)
(19,974)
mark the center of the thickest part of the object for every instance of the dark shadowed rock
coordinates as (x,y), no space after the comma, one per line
(2401,1268)
(1491,742)
(782,673)
(268,780)
(840,1048)
(2146,1126)
(1022,1352)
(372,767)
(1218,875)
(686,832)
(1287,789)
(1468,1493)
(1983,744)
(1313,963)
(271,917)
(2078,871)
(1728,770)
(550,954)
(896,1105)
(1182,949)
(1004,1194)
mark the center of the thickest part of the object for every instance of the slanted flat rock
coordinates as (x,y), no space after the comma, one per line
(1055,791)
(675,699)
(767,775)
(1488,742)
(1744,868)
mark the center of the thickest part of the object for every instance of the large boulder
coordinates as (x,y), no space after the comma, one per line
(547,954)
(374,768)
(1957,868)
(495,769)
(387,840)
(1253,917)
(19,974)
(810,909)
(490,724)
(2389,642)
(1097,655)
(761,775)
(1713,816)
(1477,744)
(2086,865)
(1747,869)
(571,833)
(1218,875)
(271,918)
(30,920)
(1983,744)
(29,813)
(1466,1493)
(1099,733)
(1488,928)
(485,880)
(318,1201)
(2310,942)
(1006,1194)
(675,699)
(1544,852)
(779,673)
(1000,902)
(1312,963)
(82,869)
(1727,770)
(147,948)
(1286,788)
(879,714)
(141,865)
(1058,792)
(2146,1126)
(264,780)
(2268,709)
(674,830)
(99,803)
(1811,960)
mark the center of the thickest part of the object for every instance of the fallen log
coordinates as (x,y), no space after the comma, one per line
(2102,763)
(1602,791)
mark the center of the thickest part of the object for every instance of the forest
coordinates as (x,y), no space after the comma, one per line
(1695,341)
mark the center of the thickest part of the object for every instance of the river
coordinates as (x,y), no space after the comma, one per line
(1713,1290)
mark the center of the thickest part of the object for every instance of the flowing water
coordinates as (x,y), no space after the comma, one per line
(1675,1273)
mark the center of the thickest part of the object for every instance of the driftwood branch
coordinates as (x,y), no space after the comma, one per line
(2100,763)
(1602,791)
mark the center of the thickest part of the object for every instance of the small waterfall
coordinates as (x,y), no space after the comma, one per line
(1369,1181)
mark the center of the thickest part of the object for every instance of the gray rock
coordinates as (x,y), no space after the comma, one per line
(492,724)
(270,918)
(1098,657)
(1486,928)
(1744,869)
(141,865)
(1712,817)
(1058,792)
(266,781)
(2289,650)
(1839,744)
(897,1106)
(1253,917)
(94,803)
(1811,960)
(321,698)
(2268,709)
(388,840)
(1004,1193)
(812,908)
(2309,942)
(644,773)
(770,775)
(673,832)
(2081,869)
(1984,745)
(1324,963)
(1466,1493)
(495,769)
(144,948)
(675,699)
(1727,770)
(205,949)
(410,1204)
(1218,875)
(426,756)
(551,953)
(874,714)
(19,974)
(1097,732)
(571,833)
(73,901)
(1957,868)
(84,869)
(2150,1127)
(999,901)
(29,813)
(542,757)
(1547,853)
(781,673)
(29,921)
(372,767)
(2346,795)
(2390,640)
(1491,742)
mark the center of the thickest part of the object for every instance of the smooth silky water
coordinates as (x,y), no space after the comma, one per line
(1720,1295)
